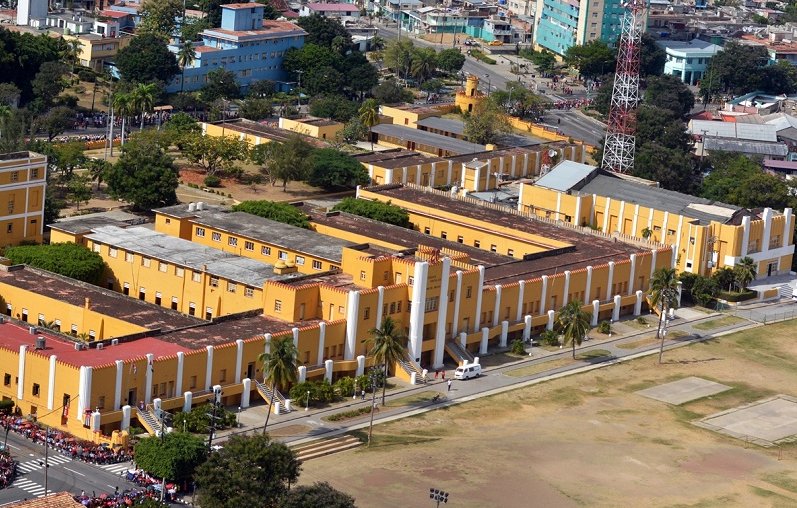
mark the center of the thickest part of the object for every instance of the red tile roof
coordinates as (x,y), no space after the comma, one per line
(59,500)
(114,14)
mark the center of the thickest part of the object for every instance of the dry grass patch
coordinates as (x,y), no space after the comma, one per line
(711,324)
(530,370)
(646,341)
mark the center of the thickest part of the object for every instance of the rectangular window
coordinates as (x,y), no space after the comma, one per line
(299,260)
(398,307)
(113,252)
(477,243)
(432,304)
(426,231)
(223,375)
(232,241)
(200,232)
(96,247)
(250,246)
(510,252)
(192,382)
(214,282)
(316,265)
(277,305)
(460,239)
(444,235)
(410,280)
(393,307)
(266,251)
(249,292)
(163,267)
(216,237)
(493,248)
(196,276)
(34,173)
(145,262)
(231,287)
(36,389)
(362,275)
(469,292)
(367,313)
(180,272)
(15,176)
(7,379)
(283,255)
(129,257)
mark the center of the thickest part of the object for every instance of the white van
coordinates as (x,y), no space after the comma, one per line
(468,371)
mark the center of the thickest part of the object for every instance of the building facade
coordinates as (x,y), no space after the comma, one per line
(562,24)
(23,185)
(688,60)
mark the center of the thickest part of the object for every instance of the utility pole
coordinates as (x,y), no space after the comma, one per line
(46,465)
(212,429)
(373,405)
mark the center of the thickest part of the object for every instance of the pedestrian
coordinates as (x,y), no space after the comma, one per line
(449,385)
(362,395)
(436,373)
(444,374)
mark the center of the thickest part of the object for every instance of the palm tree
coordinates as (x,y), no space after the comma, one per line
(97,169)
(424,62)
(369,116)
(279,368)
(185,57)
(663,294)
(5,114)
(144,99)
(123,104)
(745,272)
(71,52)
(573,323)
(387,345)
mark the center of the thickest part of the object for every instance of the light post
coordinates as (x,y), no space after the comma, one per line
(611,325)
(438,496)
(498,177)
(489,84)
(373,404)
(307,404)
(298,93)
(238,417)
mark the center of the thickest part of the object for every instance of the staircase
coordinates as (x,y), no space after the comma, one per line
(265,392)
(786,291)
(323,447)
(408,366)
(150,422)
(458,353)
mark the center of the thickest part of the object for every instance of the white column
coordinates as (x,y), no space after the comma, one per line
(360,366)
(577,217)
(442,314)
(606,213)
(380,301)
(544,295)
(551,318)
(638,304)
(483,343)
(636,219)
(767,216)
(302,373)
(295,334)
(148,376)
(457,296)
(497,305)
(527,327)
(126,411)
(322,332)
(596,310)
(680,286)
(476,179)
(787,229)
(745,235)
(520,199)
(620,217)
(267,343)
(178,383)
(352,319)
(209,367)
(388,176)
(567,288)
(449,172)
(96,421)
(558,205)
(21,374)
(514,164)
(51,384)
(328,367)
(83,391)
(156,406)
(404,175)
(117,393)
(653,255)
(520,294)
(239,357)
(479,290)
(618,301)
(188,400)
(463,339)
(678,234)
(610,281)
(632,275)
(588,286)
(433,175)
(664,227)
(418,175)
(504,333)
(417,312)
(247,392)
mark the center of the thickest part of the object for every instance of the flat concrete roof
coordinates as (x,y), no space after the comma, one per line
(566,175)
(453,145)
(188,254)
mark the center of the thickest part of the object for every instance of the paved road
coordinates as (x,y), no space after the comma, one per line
(64,474)
(576,124)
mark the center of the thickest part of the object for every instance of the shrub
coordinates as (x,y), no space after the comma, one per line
(376,210)
(280,212)
(604,327)
(641,320)
(6,406)
(549,338)
(68,259)
(478,55)
(86,75)
(517,347)
(344,387)
(354,413)
(212,181)
(733,296)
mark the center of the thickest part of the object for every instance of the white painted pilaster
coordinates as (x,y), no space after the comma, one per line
(483,343)
(767,216)
(520,294)
(621,217)
(638,303)
(295,335)
(745,235)
(178,382)
(588,286)
(635,220)
(417,311)
(787,227)
(328,367)
(527,327)
(117,392)
(442,314)
(352,320)
(504,333)
(606,214)
(596,310)
(457,297)
(209,367)
(148,376)
(632,275)
(301,373)
(618,301)
(239,357)
(551,318)
(21,374)
(479,291)
(380,302)
(653,258)
(610,281)
(188,400)
(360,366)
(566,292)
(126,413)
(544,295)
(246,394)
(322,332)
(577,217)
(497,306)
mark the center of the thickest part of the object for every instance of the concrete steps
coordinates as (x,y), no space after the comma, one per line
(323,447)
(458,353)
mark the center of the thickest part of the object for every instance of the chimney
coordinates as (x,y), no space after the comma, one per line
(87,303)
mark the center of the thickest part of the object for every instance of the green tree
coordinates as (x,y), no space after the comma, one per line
(369,116)
(67,157)
(97,169)
(674,169)
(50,82)
(745,272)
(143,99)
(780,78)
(398,56)
(269,11)
(146,60)
(450,60)
(387,345)
(486,124)
(214,154)
(725,278)
(376,210)
(279,368)
(123,106)
(9,94)
(663,294)
(704,289)
(198,419)
(738,180)
(424,63)
(250,471)
(158,17)
(79,190)
(255,109)
(544,60)
(221,84)
(573,323)
(175,456)
(192,28)
(390,92)
(603,96)
(710,86)
(652,56)
(322,31)
(739,67)
(592,59)
(280,212)
(670,93)
(22,56)
(263,88)
(180,126)
(287,161)
(318,494)
(332,169)
(68,259)
(335,107)
(354,131)
(516,100)
(185,57)
(56,121)
(144,175)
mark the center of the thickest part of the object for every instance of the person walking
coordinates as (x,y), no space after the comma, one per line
(362,395)
(449,385)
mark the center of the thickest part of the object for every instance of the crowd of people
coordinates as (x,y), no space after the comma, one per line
(65,444)
(8,468)
(118,499)
(574,103)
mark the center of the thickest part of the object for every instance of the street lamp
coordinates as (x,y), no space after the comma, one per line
(373,403)
(307,404)
(438,496)
(489,83)
(238,417)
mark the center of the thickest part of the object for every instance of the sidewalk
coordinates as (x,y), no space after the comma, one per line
(301,426)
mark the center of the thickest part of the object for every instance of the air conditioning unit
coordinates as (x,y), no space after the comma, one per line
(78,346)
(41,342)
(2,320)
(100,345)
(114,342)
(32,330)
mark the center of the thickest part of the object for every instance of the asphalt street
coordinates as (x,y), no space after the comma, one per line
(575,124)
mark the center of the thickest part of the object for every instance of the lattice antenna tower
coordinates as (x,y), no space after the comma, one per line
(620,143)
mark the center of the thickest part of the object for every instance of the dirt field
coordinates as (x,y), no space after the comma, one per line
(589,440)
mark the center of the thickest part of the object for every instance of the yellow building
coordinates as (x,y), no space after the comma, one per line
(705,235)
(95,50)
(254,133)
(468,99)
(319,128)
(23,184)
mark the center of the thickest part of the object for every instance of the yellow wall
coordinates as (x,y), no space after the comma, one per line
(217,130)
(22,189)
(312,129)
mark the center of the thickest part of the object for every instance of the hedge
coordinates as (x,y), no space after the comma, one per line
(737,297)
(478,55)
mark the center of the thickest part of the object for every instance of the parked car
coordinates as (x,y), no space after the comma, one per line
(496,43)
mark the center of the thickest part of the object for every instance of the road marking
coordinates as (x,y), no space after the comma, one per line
(12,446)
(76,472)
(111,486)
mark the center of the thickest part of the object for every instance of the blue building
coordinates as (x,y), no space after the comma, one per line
(688,60)
(562,24)
(246,44)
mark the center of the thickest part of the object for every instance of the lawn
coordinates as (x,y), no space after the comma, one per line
(711,324)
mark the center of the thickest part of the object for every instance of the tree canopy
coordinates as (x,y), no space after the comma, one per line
(390,92)
(21,58)
(592,59)
(486,124)
(738,180)
(147,59)
(280,212)
(174,457)
(159,17)
(450,60)
(663,150)
(740,68)
(221,84)
(68,259)
(323,70)
(249,471)
(670,93)
(144,175)
(376,210)
(319,494)
(331,168)
(323,31)
(214,154)
(333,106)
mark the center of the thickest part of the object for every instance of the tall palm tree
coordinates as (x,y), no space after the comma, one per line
(664,295)
(369,116)
(122,103)
(745,272)
(144,99)
(573,323)
(71,53)
(424,62)
(279,368)
(185,57)
(388,345)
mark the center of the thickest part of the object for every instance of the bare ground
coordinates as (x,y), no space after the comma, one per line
(589,440)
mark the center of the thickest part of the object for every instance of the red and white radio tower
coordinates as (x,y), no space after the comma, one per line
(618,148)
